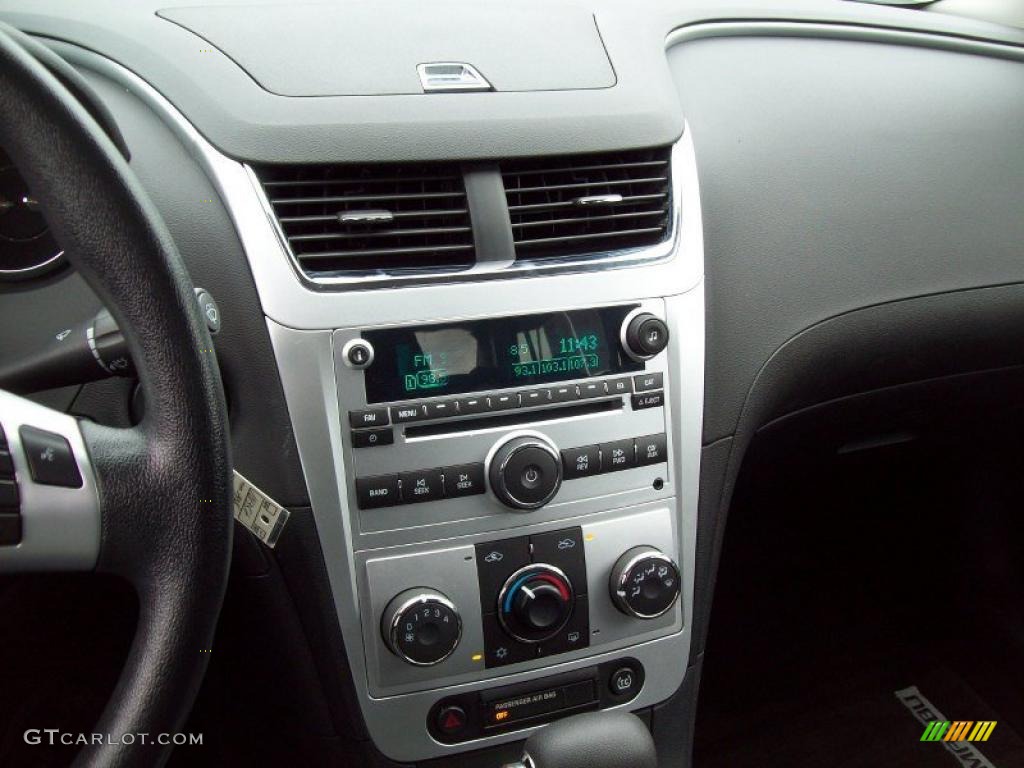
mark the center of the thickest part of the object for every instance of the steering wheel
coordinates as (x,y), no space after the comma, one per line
(151,504)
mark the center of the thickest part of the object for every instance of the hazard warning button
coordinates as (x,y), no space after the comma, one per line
(451,720)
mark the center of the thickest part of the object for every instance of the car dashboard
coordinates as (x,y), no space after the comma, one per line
(505,294)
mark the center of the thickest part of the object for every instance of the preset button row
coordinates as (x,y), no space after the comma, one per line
(614,456)
(420,485)
(499,401)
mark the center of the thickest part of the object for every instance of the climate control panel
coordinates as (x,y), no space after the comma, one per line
(518,601)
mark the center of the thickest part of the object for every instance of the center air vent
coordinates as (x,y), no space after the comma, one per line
(372,219)
(588,204)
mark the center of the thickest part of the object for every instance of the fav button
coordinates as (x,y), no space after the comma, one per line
(50,458)
(580,462)
(651,449)
(424,485)
(372,417)
(464,480)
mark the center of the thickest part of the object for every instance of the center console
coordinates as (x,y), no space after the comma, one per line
(503,470)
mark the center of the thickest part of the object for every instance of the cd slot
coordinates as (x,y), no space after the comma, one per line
(516,418)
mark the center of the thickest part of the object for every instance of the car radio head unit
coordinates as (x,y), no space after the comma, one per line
(436,360)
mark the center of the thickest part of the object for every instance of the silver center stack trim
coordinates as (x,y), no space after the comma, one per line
(301,321)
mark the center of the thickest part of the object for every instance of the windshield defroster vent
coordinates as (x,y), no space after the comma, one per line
(588,204)
(372,219)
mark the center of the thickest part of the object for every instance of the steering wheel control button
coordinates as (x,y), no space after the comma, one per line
(50,458)
(379,491)
(368,438)
(564,550)
(648,400)
(526,472)
(9,500)
(372,417)
(651,449)
(645,382)
(358,354)
(644,583)
(581,462)
(209,310)
(423,485)
(644,335)
(624,683)
(422,627)
(10,529)
(451,720)
(535,603)
(464,480)
(618,455)
(6,464)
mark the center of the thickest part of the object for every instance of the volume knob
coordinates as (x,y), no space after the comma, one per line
(422,627)
(525,472)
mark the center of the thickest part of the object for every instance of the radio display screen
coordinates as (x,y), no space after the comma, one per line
(483,355)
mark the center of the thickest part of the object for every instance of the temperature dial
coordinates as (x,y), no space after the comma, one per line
(421,627)
(644,583)
(535,603)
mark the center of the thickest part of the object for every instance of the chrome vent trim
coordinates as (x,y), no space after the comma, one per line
(570,207)
(371,220)
(601,254)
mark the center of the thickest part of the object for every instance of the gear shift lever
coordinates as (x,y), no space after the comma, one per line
(591,740)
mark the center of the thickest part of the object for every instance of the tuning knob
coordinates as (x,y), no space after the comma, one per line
(422,627)
(535,603)
(526,472)
(644,335)
(644,583)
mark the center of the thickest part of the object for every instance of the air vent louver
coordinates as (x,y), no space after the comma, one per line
(378,219)
(588,204)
